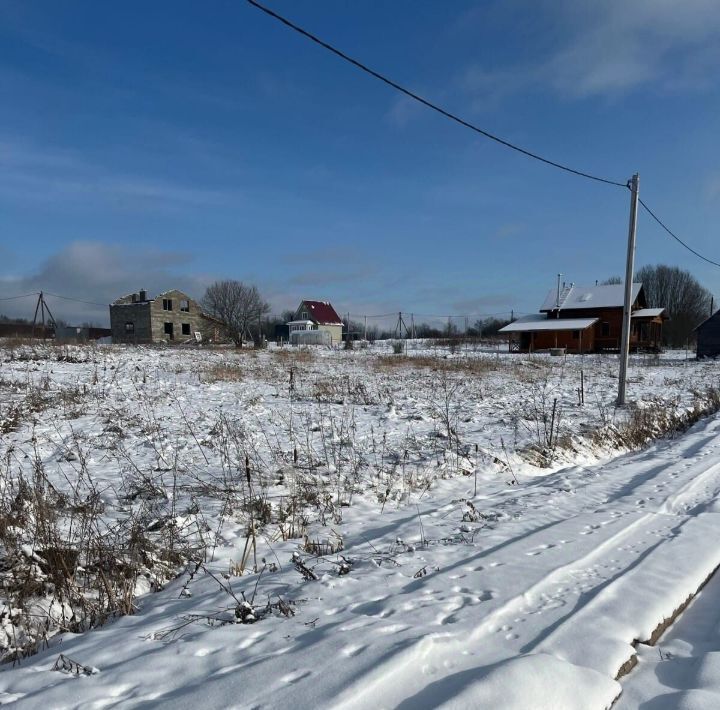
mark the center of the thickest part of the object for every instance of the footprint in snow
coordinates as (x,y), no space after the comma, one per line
(353,650)
(295,676)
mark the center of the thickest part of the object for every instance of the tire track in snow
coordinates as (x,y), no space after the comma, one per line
(622,552)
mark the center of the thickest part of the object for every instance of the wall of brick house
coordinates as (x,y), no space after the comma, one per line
(192,318)
(136,313)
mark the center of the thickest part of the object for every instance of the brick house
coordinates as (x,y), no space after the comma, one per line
(585,319)
(318,316)
(169,317)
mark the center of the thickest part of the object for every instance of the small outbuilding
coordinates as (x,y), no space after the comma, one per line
(708,337)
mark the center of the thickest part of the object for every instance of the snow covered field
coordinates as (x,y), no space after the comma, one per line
(348,528)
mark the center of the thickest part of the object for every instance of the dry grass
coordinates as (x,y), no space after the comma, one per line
(225,372)
(294,354)
(471,366)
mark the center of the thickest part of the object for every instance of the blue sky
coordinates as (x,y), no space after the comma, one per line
(170,144)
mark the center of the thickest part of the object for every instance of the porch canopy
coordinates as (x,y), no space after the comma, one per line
(539,322)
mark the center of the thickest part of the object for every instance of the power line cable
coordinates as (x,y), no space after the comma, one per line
(675,236)
(463,122)
(429,104)
(78,300)
(14,298)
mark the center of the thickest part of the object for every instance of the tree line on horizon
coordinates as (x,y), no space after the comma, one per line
(686,301)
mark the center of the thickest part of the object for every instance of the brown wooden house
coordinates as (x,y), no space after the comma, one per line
(585,319)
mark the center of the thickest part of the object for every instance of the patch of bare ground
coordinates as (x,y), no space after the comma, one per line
(471,366)
(224,372)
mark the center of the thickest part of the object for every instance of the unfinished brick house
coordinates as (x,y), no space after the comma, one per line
(169,317)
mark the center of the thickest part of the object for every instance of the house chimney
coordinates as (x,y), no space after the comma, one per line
(143,294)
(557,299)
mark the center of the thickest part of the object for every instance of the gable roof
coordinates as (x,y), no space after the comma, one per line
(321,312)
(707,320)
(580,297)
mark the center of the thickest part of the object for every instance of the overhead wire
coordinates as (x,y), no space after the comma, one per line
(78,300)
(454,117)
(675,236)
(430,104)
(14,298)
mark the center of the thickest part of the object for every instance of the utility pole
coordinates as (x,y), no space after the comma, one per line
(43,307)
(627,308)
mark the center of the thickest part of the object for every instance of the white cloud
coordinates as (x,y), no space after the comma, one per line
(605,48)
(615,46)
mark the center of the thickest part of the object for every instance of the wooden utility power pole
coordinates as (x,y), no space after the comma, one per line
(42,308)
(627,307)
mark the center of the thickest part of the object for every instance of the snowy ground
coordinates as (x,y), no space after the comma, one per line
(683,671)
(475,548)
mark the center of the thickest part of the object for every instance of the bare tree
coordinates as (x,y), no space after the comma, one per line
(686,300)
(239,306)
(612,281)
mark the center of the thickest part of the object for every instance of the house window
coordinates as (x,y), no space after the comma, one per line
(576,334)
(304,316)
(129,327)
(169,330)
(167,304)
(186,328)
(605,329)
(185,306)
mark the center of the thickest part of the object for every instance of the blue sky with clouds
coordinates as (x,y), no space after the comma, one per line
(173,143)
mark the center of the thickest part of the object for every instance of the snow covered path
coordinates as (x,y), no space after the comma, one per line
(537,609)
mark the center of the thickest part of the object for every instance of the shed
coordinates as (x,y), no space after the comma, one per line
(708,337)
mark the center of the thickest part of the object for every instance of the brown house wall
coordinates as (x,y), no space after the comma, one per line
(544,340)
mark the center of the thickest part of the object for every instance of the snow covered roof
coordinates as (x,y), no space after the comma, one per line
(540,322)
(322,312)
(575,297)
(648,313)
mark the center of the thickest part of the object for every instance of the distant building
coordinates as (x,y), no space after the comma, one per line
(315,322)
(169,317)
(585,319)
(80,334)
(708,337)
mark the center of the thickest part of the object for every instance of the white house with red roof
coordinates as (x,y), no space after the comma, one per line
(317,316)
